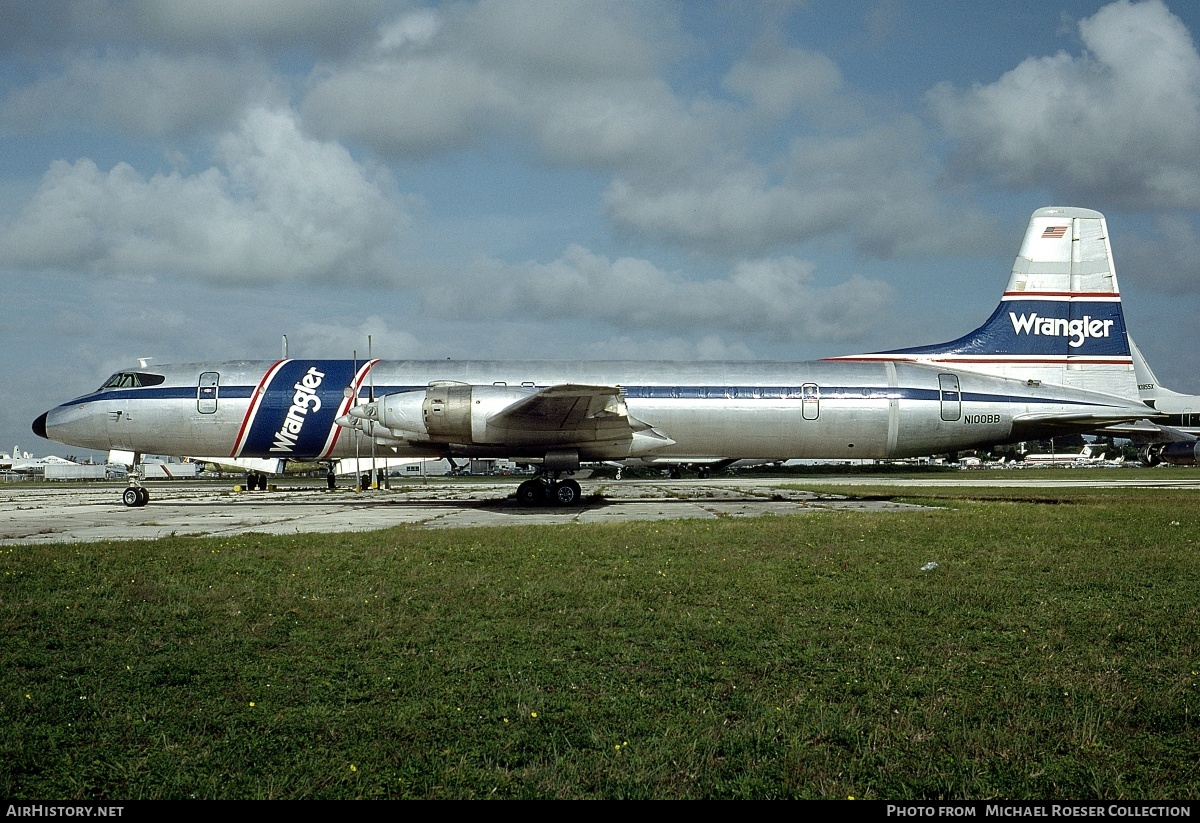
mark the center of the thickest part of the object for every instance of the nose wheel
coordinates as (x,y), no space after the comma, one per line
(134,497)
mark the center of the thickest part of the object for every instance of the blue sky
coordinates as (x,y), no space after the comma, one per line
(189,181)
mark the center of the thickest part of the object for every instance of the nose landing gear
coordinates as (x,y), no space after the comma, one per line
(134,497)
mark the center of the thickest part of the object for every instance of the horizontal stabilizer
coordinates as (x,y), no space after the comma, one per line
(1147,431)
(1093,417)
(1037,425)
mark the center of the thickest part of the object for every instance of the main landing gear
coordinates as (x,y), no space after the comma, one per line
(549,491)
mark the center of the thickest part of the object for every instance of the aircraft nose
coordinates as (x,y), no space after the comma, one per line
(39,426)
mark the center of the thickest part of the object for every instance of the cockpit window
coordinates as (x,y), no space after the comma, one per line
(132,380)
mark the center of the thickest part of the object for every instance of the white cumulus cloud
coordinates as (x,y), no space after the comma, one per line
(278,206)
(1118,123)
(579,79)
(146,94)
(775,298)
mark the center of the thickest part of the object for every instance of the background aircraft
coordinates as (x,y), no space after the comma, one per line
(1174,436)
(1084,457)
(21,462)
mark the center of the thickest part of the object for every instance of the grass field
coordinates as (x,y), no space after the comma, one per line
(1052,653)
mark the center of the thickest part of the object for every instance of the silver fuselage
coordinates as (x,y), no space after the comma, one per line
(723,410)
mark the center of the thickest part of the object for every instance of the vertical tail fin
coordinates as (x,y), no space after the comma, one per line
(1059,320)
(1149,389)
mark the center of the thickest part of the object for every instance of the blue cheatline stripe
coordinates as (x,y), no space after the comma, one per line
(158,393)
(730,393)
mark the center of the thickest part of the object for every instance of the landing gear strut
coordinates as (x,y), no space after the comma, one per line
(135,495)
(543,490)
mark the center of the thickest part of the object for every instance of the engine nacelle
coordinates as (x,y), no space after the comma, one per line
(444,412)
(464,419)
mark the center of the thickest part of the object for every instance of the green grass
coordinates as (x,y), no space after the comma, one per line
(1053,653)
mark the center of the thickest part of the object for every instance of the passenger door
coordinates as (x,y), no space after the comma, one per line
(950,396)
(207,391)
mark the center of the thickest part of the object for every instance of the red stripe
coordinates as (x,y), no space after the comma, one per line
(252,409)
(1062,294)
(1062,360)
(345,407)
(1068,361)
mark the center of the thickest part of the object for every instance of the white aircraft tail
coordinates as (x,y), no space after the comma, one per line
(1059,320)
(1149,389)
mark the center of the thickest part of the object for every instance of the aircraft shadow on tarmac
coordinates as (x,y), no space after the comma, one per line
(506,505)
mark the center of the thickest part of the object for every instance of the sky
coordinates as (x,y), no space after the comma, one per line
(520,179)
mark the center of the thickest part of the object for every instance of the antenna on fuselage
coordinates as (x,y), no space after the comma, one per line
(285,347)
(144,362)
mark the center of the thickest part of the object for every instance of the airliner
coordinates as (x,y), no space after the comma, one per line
(1083,458)
(1052,359)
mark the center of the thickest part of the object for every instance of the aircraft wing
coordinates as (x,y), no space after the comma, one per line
(564,408)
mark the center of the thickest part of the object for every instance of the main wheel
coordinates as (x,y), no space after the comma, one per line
(531,493)
(567,493)
(132,497)
(143,496)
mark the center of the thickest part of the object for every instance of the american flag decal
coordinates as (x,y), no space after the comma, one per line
(1054,232)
